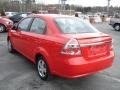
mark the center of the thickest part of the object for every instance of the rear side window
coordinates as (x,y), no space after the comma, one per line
(24,24)
(38,26)
(71,25)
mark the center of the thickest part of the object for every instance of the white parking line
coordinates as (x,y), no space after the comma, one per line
(110,77)
(2,42)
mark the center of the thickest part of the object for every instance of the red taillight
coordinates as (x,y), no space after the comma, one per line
(111,46)
(72,47)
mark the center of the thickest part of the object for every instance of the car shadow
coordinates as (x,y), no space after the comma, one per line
(58,82)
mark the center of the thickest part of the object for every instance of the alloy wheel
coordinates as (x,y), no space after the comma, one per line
(9,46)
(117,27)
(2,28)
(42,69)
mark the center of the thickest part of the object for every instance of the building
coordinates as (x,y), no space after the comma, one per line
(15,1)
(28,1)
(4,0)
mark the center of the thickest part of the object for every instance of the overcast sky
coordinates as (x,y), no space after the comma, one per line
(84,2)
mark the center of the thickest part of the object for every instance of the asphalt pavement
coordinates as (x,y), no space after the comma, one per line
(17,73)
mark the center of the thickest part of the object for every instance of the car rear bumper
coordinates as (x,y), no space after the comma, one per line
(78,67)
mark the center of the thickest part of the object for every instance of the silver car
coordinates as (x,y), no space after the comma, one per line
(115,23)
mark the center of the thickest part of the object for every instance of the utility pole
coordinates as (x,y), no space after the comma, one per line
(108,7)
(62,5)
(20,6)
(59,7)
(41,6)
(70,5)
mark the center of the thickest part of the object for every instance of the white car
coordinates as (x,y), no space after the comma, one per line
(84,17)
(115,23)
(97,18)
(9,14)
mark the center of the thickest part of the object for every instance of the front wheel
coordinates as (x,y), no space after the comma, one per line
(10,47)
(117,27)
(2,28)
(42,68)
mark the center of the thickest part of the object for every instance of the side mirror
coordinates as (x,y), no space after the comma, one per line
(10,27)
(15,26)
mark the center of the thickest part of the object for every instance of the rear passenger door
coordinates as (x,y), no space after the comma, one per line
(36,36)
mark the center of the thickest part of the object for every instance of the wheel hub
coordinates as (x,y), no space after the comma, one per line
(42,68)
(1,28)
(117,27)
(9,45)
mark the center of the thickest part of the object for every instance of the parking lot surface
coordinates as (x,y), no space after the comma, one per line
(17,73)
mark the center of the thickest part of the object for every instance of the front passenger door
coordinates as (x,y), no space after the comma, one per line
(20,35)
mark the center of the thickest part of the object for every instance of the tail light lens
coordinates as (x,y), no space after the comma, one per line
(111,46)
(72,47)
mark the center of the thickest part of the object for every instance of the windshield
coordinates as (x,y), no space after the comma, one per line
(71,25)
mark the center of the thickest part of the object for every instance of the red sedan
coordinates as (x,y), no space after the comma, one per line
(61,45)
(5,24)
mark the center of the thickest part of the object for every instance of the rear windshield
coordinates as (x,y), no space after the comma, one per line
(72,25)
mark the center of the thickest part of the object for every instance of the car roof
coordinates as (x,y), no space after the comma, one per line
(49,15)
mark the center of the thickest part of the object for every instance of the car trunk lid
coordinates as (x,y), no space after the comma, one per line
(93,46)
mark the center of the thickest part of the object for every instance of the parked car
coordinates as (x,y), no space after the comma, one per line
(10,14)
(16,18)
(61,45)
(84,17)
(97,18)
(5,24)
(115,23)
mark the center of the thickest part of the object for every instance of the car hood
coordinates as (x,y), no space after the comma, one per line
(5,19)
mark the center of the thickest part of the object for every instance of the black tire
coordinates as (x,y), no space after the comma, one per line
(2,28)
(117,27)
(10,46)
(46,75)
